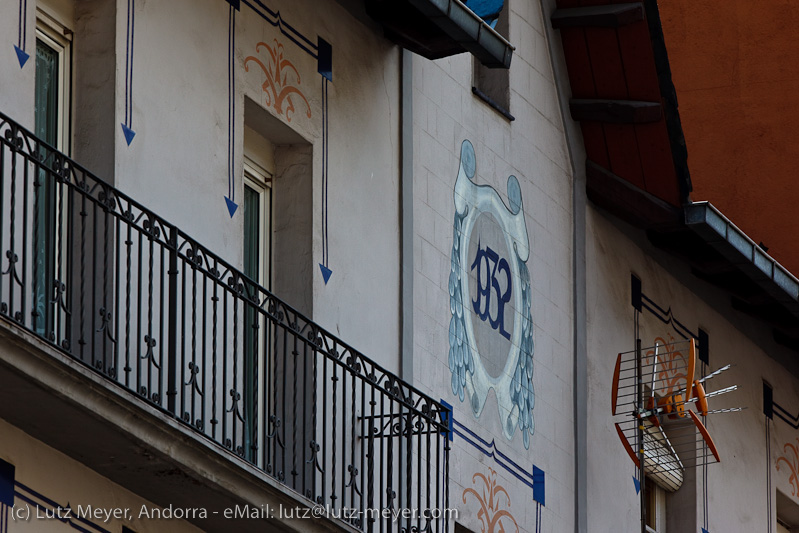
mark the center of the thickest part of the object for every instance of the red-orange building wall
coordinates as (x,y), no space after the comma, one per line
(735,65)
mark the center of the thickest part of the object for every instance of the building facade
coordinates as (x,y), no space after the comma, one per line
(337,265)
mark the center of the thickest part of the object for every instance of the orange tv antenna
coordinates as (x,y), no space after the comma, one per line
(655,391)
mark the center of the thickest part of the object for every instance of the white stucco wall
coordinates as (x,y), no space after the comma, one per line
(177,162)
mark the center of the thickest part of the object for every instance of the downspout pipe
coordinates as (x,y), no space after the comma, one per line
(406,216)
(579,309)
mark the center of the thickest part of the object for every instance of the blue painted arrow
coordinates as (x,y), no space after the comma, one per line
(129,133)
(231,206)
(127,125)
(637,485)
(326,272)
(22,56)
(231,185)
(19,48)
(705,530)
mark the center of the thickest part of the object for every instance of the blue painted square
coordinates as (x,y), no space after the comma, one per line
(235,3)
(539,486)
(636,293)
(325,59)
(704,347)
(6,483)
(447,417)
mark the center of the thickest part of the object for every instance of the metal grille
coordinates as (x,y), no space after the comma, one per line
(120,289)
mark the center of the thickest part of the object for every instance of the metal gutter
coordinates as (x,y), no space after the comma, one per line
(735,246)
(465,27)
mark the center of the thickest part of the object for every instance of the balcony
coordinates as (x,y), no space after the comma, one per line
(129,346)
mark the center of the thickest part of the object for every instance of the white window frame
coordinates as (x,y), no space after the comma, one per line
(58,37)
(659,507)
(260,179)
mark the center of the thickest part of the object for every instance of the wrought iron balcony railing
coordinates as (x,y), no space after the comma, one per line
(118,288)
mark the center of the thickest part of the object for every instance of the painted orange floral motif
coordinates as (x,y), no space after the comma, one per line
(791,459)
(491,497)
(671,364)
(277,86)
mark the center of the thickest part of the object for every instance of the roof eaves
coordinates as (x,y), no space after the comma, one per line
(732,243)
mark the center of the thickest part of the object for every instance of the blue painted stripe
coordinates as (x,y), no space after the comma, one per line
(784,419)
(287,30)
(679,328)
(327,175)
(43,499)
(231,103)
(666,316)
(66,521)
(24,25)
(35,494)
(132,49)
(493,455)
(278,18)
(785,412)
(127,61)
(492,444)
(535,480)
(538,518)
(324,172)
(663,312)
(19,37)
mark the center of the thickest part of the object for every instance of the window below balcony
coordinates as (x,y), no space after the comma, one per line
(655,508)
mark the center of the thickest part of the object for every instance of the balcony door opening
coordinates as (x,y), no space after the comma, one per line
(277,385)
(51,121)
(257,215)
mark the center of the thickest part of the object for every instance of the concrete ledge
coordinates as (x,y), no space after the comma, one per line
(68,406)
